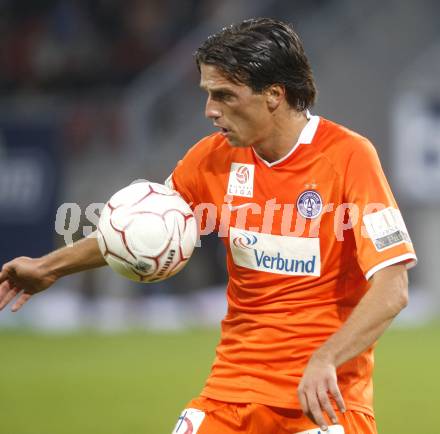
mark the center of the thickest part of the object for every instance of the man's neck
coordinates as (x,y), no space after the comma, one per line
(283,136)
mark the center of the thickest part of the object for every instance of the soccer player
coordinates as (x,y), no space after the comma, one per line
(317,250)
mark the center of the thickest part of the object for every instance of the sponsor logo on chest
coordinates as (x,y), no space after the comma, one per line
(292,256)
(241,180)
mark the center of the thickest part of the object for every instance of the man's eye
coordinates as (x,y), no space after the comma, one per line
(222,96)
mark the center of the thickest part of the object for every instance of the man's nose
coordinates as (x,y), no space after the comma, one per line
(212,110)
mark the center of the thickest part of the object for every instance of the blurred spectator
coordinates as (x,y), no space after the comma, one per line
(73,45)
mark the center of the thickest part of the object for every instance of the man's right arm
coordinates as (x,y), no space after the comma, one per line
(26,276)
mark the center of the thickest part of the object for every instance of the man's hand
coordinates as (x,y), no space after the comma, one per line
(387,296)
(318,382)
(23,277)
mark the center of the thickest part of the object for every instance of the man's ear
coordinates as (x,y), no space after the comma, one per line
(275,95)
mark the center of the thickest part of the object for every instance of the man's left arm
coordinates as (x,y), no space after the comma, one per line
(387,296)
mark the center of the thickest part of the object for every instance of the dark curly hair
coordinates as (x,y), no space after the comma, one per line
(261,52)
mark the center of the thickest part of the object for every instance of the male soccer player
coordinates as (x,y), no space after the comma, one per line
(317,250)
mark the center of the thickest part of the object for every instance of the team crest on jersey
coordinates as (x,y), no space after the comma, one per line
(309,204)
(241,180)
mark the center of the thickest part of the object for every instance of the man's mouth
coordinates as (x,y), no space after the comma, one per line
(223,130)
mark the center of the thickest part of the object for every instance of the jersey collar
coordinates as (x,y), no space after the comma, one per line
(305,138)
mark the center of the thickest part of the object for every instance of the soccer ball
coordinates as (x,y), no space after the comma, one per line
(146,232)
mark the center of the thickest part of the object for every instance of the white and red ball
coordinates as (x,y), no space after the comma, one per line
(147,232)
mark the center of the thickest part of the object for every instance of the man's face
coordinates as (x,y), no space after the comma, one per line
(242,115)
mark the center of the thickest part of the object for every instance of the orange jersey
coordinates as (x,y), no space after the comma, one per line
(303,235)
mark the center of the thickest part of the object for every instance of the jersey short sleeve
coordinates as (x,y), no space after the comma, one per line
(381,236)
(183,184)
(184,178)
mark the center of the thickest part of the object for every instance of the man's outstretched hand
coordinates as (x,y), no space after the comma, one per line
(22,277)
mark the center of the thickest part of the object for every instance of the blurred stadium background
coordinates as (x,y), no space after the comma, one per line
(97,93)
